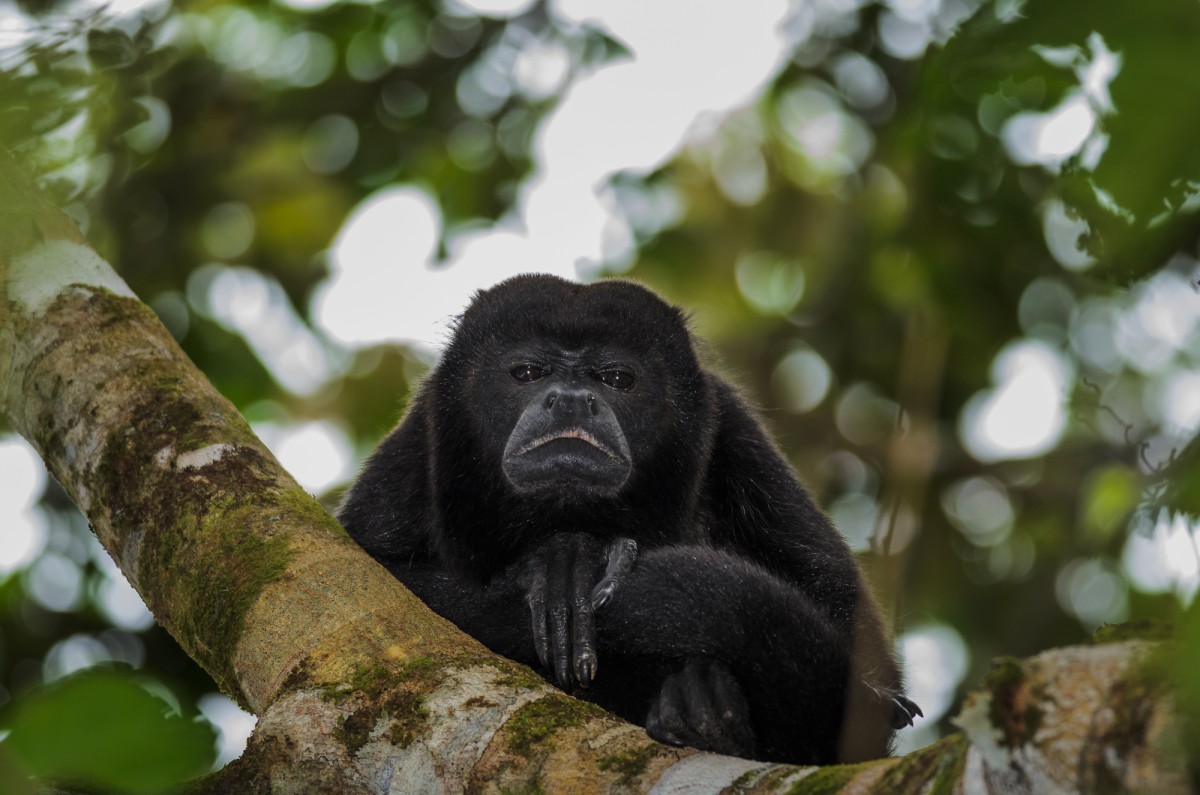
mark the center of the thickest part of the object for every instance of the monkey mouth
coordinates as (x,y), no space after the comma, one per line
(570,433)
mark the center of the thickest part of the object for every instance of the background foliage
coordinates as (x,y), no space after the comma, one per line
(949,248)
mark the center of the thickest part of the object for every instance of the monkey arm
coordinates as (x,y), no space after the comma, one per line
(563,588)
(682,617)
(683,603)
(538,610)
(760,509)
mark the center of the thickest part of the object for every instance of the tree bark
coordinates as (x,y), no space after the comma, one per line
(359,687)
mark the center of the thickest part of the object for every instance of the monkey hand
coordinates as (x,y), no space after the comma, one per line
(564,588)
(901,711)
(904,711)
(702,706)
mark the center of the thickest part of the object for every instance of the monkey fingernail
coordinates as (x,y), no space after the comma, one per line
(585,668)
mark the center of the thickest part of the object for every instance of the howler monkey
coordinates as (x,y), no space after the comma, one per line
(571,487)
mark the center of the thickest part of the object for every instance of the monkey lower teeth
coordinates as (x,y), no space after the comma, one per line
(572,433)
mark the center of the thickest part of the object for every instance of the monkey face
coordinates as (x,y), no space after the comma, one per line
(567,435)
(568,395)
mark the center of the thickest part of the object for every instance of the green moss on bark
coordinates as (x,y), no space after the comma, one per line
(628,764)
(199,535)
(512,674)
(940,763)
(1015,707)
(1142,629)
(380,690)
(828,780)
(768,779)
(537,721)
(533,788)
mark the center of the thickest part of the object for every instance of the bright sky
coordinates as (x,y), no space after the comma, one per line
(689,60)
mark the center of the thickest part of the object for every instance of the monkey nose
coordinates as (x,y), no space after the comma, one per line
(570,402)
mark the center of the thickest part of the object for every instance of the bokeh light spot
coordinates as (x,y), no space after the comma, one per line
(234,726)
(801,380)
(317,454)
(23,524)
(771,285)
(227,230)
(497,8)
(1093,591)
(1168,559)
(56,583)
(864,416)
(329,144)
(1024,415)
(981,509)
(935,660)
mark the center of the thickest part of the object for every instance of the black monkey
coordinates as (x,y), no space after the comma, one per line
(572,488)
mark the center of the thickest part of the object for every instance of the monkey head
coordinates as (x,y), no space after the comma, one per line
(573,393)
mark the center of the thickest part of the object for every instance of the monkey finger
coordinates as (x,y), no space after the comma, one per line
(537,610)
(699,713)
(732,710)
(559,612)
(621,553)
(665,722)
(656,730)
(583,628)
(602,594)
(904,711)
(562,661)
(586,660)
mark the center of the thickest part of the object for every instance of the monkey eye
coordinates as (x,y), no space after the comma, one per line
(621,380)
(528,372)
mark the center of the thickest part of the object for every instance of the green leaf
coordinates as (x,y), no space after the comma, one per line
(111,48)
(1183,475)
(105,730)
(1140,198)
(1186,675)
(1109,496)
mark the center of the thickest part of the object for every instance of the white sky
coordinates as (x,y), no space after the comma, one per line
(689,60)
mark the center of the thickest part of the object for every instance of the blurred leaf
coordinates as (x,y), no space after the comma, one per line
(1183,493)
(104,729)
(1140,199)
(14,779)
(111,48)
(1108,497)
(1186,675)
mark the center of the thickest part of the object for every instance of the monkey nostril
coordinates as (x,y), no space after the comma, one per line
(571,403)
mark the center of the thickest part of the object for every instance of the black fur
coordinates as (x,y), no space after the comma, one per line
(740,624)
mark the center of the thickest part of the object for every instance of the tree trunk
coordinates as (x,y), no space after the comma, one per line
(359,687)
